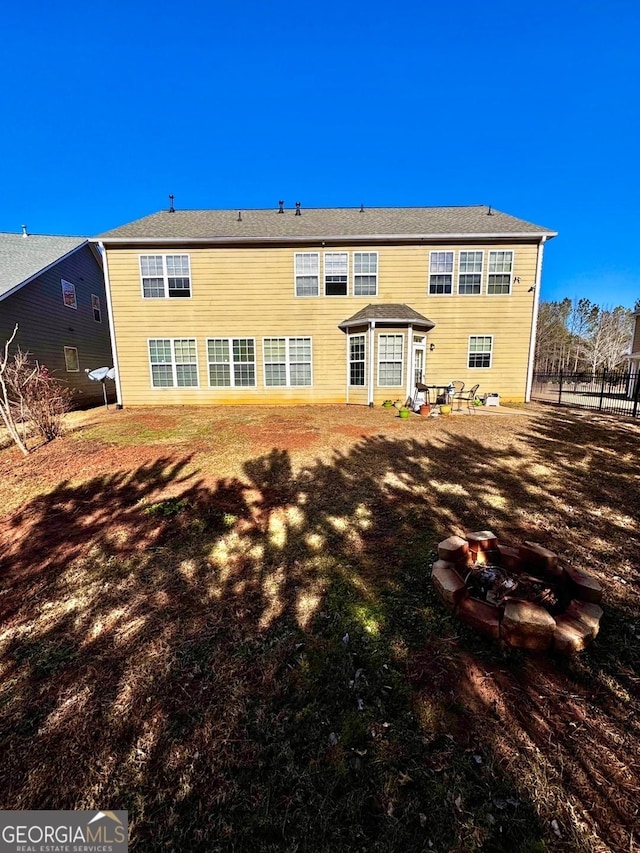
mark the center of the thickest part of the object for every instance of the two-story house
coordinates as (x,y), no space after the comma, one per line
(52,288)
(347,305)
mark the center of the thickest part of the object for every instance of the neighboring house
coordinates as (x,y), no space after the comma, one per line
(53,288)
(321,305)
(634,359)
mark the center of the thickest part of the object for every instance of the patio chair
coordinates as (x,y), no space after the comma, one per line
(457,387)
(467,397)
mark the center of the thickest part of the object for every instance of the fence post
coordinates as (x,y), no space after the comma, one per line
(635,380)
(560,388)
(602,384)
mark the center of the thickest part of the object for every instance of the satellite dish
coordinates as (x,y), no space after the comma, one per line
(101,374)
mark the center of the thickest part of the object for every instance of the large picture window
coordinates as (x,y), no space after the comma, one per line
(287,361)
(173,362)
(440,273)
(365,273)
(165,276)
(232,362)
(470,273)
(357,360)
(307,265)
(390,350)
(500,270)
(336,274)
(480,350)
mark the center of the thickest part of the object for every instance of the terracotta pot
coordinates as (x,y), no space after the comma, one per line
(425,409)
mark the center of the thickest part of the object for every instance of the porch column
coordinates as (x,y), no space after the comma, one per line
(372,326)
(410,384)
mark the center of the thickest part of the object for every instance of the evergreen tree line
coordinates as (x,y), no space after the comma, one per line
(579,336)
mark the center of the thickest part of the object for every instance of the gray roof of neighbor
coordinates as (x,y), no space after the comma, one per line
(22,258)
(341,222)
(393,313)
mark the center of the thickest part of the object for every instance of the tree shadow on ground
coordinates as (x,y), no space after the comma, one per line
(263,665)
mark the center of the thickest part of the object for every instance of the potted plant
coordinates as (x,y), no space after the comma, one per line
(404,412)
(425,409)
(445,409)
(387,404)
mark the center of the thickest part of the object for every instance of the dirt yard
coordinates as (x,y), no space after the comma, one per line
(221,619)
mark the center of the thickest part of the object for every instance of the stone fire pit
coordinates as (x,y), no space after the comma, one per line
(521,596)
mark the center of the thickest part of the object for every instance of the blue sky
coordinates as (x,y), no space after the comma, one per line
(533,108)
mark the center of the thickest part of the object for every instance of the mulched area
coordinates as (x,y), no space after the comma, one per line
(176,587)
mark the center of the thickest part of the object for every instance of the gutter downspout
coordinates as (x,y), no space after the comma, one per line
(112,330)
(534,321)
(372,326)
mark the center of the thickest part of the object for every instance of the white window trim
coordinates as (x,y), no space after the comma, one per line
(98,309)
(453,271)
(367,295)
(469,353)
(175,386)
(68,284)
(230,341)
(379,360)
(481,251)
(287,339)
(66,365)
(324,276)
(511,274)
(351,361)
(295,277)
(165,276)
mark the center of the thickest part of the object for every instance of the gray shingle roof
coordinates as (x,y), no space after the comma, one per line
(393,313)
(374,222)
(22,258)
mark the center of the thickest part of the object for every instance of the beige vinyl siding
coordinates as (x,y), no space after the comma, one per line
(250,292)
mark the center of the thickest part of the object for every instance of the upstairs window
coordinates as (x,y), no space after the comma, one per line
(336,274)
(365,273)
(69,294)
(440,273)
(480,350)
(500,270)
(95,307)
(470,273)
(165,276)
(307,273)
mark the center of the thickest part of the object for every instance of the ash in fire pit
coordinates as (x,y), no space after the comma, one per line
(496,585)
(521,596)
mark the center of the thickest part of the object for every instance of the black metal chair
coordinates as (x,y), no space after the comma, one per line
(467,397)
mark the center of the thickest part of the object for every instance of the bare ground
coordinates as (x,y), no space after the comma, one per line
(221,619)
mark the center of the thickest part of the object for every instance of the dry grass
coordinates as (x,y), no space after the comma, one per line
(221,620)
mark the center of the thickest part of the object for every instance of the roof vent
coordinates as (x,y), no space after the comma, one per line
(239,219)
(25,233)
(171,207)
(281,207)
(298,209)
(362,208)
(489,212)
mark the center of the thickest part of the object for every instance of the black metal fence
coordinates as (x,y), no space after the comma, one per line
(613,391)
